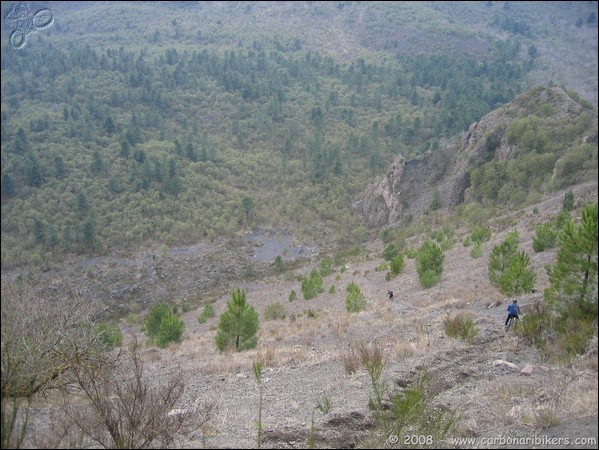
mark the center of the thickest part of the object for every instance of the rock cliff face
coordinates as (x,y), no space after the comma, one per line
(439,180)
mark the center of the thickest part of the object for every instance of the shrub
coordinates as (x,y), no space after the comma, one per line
(382,267)
(412,414)
(389,252)
(461,325)
(110,334)
(355,301)
(477,250)
(568,203)
(312,286)
(171,330)
(534,327)
(352,359)
(397,265)
(429,264)
(154,319)
(207,313)
(326,266)
(545,237)
(292,295)
(275,311)
(481,234)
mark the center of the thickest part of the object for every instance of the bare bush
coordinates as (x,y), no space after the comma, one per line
(123,409)
(352,359)
(47,333)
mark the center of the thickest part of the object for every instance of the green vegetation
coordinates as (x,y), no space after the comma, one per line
(414,421)
(480,234)
(429,264)
(207,313)
(238,325)
(355,301)
(163,326)
(257,368)
(462,326)
(374,362)
(275,311)
(545,237)
(110,334)
(573,289)
(326,266)
(547,154)
(397,265)
(477,250)
(313,285)
(563,326)
(509,269)
(176,130)
(292,295)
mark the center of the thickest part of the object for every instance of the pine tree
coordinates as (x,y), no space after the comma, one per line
(574,277)
(238,324)
(429,264)
(355,301)
(509,269)
(154,319)
(33,172)
(171,330)
(501,256)
(21,142)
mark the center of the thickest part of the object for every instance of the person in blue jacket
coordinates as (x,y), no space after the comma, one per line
(512,311)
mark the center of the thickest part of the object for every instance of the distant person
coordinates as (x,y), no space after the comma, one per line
(512,311)
(390,294)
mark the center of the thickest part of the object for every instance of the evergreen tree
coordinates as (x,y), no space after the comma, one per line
(8,186)
(248,205)
(89,235)
(33,172)
(429,264)
(397,265)
(519,277)
(21,142)
(82,204)
(171,329)
(238,324)
(109,125)
(574,277)
(312,286)
(355,301)
(509,269)
(125,148)
(568,203)
(154,319)
(501,257)
(97,165)
(39,231)
(59,168)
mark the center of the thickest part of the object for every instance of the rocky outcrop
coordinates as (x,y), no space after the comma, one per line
(439,180)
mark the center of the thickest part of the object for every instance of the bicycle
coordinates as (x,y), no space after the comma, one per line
(510,322)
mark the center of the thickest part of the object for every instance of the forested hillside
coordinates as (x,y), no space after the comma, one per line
(125,124)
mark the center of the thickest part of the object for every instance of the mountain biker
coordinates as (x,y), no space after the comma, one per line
(512,311)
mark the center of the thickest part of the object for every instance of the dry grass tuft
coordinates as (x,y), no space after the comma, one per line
(502,410)
(351,357)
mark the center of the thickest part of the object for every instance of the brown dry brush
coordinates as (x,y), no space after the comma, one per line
(122,408)
(50,344)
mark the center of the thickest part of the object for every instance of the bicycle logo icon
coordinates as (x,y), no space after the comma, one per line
(22,19)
